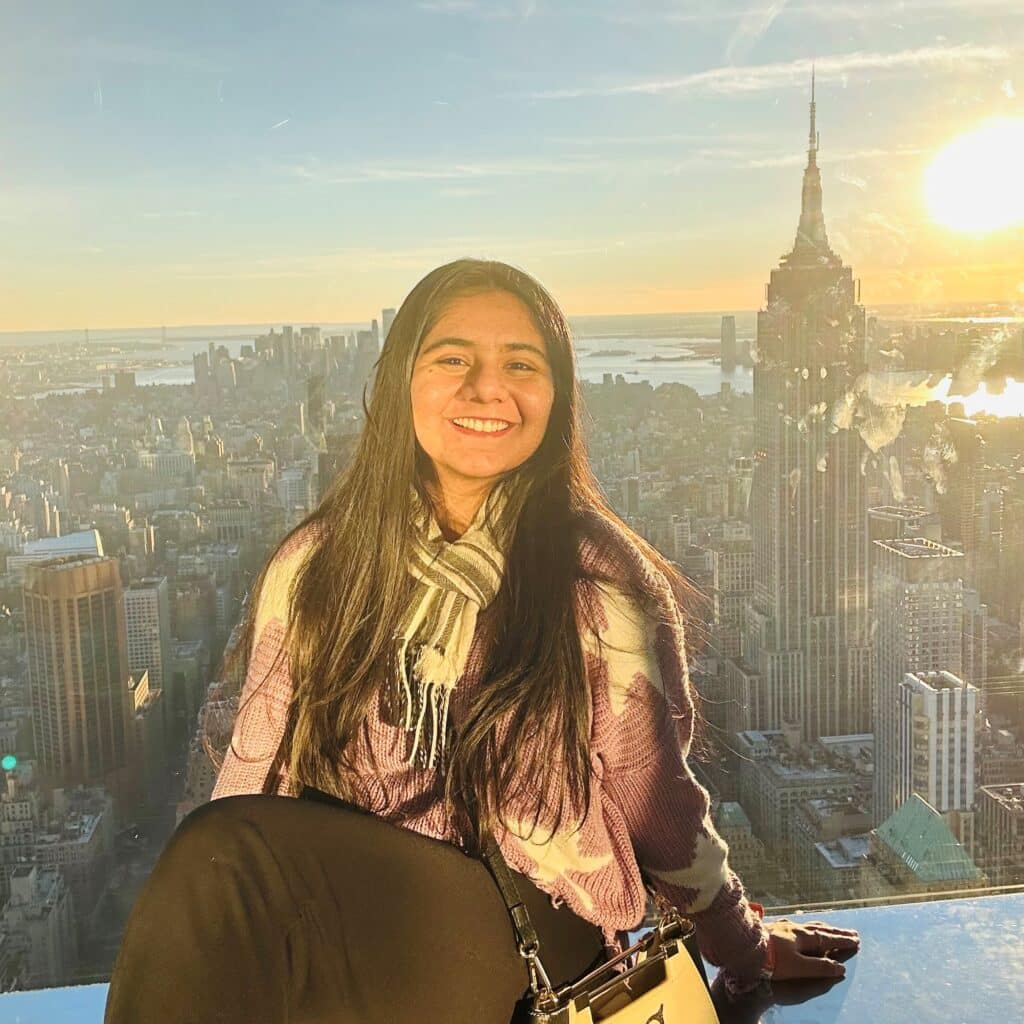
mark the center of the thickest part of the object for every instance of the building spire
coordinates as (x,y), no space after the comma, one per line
(812,137)
(811,245)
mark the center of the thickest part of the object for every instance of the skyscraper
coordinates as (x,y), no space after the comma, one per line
(315,404)
(387,318)
(970,505)
(917,602)
(78,675)
(288,357)
(936,739)
(728,349)
(147,610)
(806,644)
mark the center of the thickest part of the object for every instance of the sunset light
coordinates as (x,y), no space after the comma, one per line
(973,184)
(1007,402)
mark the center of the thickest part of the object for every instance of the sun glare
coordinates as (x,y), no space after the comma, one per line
(974,183)
(1007,402)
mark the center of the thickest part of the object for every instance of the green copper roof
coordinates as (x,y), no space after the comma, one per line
(917,835)
(731,815)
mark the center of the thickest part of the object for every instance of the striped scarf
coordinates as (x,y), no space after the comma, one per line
(454,583)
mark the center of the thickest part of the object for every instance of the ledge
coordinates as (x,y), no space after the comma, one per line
(938,962)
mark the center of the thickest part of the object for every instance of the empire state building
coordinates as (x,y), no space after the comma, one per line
(806,655)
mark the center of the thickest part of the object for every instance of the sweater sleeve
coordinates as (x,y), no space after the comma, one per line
(266,692)
(643,727)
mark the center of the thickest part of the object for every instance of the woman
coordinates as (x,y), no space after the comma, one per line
(462,636)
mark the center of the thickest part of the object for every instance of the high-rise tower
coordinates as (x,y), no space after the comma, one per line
(806,644)
(83,715)
(917,596)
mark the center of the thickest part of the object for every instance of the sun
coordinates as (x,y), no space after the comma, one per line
(974,183)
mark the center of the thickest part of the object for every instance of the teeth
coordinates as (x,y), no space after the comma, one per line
(485,426)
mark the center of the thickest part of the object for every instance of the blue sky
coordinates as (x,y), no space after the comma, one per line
(211,162)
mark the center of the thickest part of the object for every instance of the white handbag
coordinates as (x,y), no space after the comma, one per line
(661,982)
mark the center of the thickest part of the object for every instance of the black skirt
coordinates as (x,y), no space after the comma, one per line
(267,909)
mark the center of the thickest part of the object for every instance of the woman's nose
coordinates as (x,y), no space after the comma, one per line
(483,378)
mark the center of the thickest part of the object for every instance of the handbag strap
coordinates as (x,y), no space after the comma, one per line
(527,940)
(526,934)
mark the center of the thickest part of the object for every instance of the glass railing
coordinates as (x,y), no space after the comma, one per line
(933,961)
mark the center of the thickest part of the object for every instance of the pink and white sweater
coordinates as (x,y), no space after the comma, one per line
(647,810)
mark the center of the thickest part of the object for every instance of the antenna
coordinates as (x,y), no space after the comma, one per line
(812,136)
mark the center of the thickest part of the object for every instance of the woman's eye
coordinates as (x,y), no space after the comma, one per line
(448,359)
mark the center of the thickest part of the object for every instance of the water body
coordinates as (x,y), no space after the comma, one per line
(661,334)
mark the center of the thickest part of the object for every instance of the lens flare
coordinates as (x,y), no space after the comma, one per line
(974,183)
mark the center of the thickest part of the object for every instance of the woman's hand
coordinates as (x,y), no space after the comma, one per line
(803,950)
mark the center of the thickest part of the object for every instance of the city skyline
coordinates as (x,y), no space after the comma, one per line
(158,168)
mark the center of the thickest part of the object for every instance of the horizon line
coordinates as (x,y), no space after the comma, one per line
(569,316)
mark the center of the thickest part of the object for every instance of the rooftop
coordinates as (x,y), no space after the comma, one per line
(897,512)
(79,542)
(1011,796)
(845,852)
(924,681)
(919,547)
(917,834)
(732,815)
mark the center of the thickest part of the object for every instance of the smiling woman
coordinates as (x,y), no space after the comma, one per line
(492,658)
(973,184)
(481,391)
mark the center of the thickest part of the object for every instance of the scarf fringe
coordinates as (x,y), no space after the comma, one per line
(439,656)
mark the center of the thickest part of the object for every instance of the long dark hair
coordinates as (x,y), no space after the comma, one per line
(347,598)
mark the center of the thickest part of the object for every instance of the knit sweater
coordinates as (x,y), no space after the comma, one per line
(647,811)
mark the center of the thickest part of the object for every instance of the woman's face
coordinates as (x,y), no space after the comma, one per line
(484,360)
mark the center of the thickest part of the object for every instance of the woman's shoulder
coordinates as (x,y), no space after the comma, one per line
(281,573)
(611,562)
(603,547)
(613,585)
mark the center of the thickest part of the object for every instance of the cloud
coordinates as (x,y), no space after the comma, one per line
(654,139)
(523,9)
(459,191)
(852,179)
(907,9)
(355,259)
(280,124)
(821,11)
(466,179)
(783,75)
(449,6)
(825,157)
(132,53)
(754,22)
(318,173)
(170,214)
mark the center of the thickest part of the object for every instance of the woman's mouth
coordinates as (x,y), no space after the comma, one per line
(482,428)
